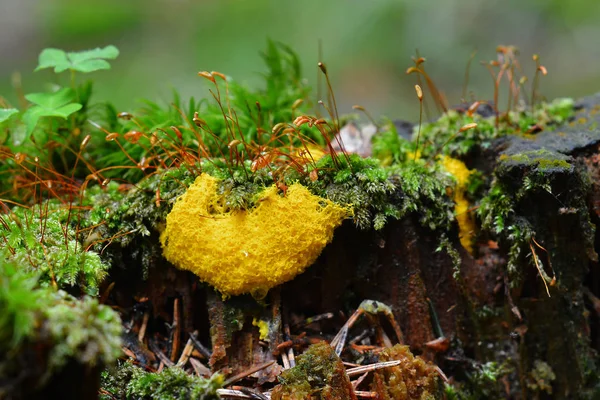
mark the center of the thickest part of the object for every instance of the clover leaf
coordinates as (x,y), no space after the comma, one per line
(6,113)
(82,61)
(57,104)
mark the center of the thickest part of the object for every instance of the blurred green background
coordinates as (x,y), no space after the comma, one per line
(367,44)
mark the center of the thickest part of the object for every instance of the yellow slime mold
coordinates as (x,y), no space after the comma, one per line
(263,328)
(248,251)
(466,225)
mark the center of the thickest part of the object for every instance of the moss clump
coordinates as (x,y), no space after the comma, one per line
(238,184)
(389,148)
(541,377)
(498,215)
(127,212)
(130,382)
(123,222)
(423,191)
(41,239)
(541,160)
(52,328)
(413,378)
(21,304)
(248,251)
(82,330)
(443,135)
(318,374)
(482,382)
(360,183)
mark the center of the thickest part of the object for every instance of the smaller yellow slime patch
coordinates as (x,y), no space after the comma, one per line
(466,225)
(263,328)
(248,251)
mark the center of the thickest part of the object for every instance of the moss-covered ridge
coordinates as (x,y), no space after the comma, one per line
(445,135)
(541,165)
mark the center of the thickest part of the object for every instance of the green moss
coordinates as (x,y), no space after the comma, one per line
(172,384)
(558,111)
(546,164)
(424,192)
(389,148)
(239,185)
(361,183)
(497,209)
(476,185)
(377,194)
(41,239)
(541,377)
(448,247)
(143,208)
(51,327)
(443,135)
(497,214)
(374,193)
(126,217)
(234,316)
(82,330)
(482,382)
(20,305)
(130,382)
(541,160)
(319,374)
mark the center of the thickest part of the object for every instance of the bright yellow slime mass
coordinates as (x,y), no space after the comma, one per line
(248,251)
(466,225)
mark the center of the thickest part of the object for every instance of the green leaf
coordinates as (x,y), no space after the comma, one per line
(6,113)
(57,104)
(52,100)
(53,58)
(82,61)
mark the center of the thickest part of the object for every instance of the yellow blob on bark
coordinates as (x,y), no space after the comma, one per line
(263,328)
(466,225)
(248,251)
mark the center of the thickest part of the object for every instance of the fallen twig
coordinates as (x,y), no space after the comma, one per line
(248,372)
(238,394)
(371,367)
